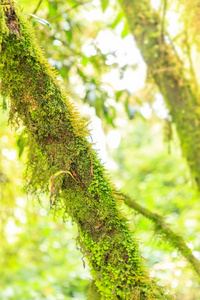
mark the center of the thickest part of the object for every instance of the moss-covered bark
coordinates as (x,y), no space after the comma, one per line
(167,71)
(58,144)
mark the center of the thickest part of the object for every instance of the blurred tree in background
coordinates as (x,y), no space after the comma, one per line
(99,63)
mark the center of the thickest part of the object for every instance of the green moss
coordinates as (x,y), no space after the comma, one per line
(58,140)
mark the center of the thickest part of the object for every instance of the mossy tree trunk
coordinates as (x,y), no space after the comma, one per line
(59,149)
(168,73)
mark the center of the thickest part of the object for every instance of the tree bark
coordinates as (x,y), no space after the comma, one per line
(168,73)
(59,153)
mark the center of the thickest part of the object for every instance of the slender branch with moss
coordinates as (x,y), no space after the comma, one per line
(168,73)
(162,228)
(60,154)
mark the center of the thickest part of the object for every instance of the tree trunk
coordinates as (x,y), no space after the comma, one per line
(59,153)
(168,73)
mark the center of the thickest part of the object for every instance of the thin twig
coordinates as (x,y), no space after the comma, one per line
(68,9)
(37,7)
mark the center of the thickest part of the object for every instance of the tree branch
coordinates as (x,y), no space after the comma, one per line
(162,228)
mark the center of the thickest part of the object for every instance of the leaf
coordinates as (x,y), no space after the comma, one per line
(68,34)
(118,95)
(104,4)
(40,20)
(117,20)
(85,60)
(21,144)
(80,73)
(53,9)
(125,31)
